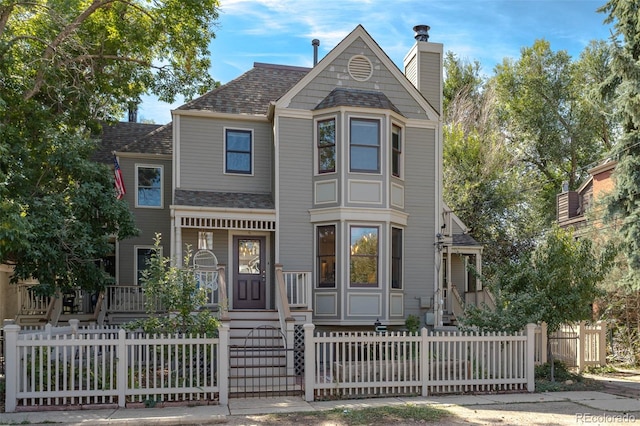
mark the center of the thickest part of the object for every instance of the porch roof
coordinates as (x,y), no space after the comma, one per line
(235,200)
(464,240)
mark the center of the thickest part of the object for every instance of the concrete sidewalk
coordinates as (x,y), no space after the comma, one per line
(576,401)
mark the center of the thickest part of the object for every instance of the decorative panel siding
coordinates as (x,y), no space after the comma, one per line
(148,220)
(420,190)
(430,75)
(202,156)
(337,75)
(296,193)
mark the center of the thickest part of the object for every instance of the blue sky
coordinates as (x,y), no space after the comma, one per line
(280,31)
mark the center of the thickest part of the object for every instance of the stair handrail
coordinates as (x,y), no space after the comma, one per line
(282,302)
(223,301)
(457,305)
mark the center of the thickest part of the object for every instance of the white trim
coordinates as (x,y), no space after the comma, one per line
(231,272)
(381,119)
(402,259)
(137,191)
(325,182)
(252,153)
(220,115)
(360,32)
(340,214)
(325,294)
(368,182)
(352,293)
(347,240)
(403,134)
(316,159)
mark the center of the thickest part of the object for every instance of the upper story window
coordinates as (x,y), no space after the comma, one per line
(326,240)
(363,262)
(238,151)
(396,150)
(327,146)
(149,186)
(364,154)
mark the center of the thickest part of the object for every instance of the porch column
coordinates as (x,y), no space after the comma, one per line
(479,270)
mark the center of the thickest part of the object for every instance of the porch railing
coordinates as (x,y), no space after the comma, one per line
(32,303)
(127,299)
(298,288)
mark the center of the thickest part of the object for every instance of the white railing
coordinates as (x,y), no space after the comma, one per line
(352,365)
(71,367)
(298,287)
(127,299)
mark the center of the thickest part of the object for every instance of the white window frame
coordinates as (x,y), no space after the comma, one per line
(317,256)
(378,229)
(150,166)
(402,256)
(252,152)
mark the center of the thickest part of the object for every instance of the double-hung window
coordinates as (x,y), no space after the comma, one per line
(326,146)
(396,151)
(363,262)
(326,240)
(238,151)
(364,149)
(149,186)
(396,258)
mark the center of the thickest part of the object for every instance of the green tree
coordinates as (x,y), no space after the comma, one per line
(481,178)
(623,87)
(64,67)
(557,283)
(176,291)
(552,129)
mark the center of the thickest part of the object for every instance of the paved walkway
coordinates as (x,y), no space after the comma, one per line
(568,404)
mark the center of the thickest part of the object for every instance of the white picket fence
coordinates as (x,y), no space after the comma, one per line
(349,365)
(73,366)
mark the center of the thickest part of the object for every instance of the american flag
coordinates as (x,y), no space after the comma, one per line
(120,191)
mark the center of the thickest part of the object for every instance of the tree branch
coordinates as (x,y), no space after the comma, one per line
(66,32)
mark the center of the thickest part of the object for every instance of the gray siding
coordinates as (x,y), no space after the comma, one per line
(336,74)
(420,204)
(148,220)
(202,156)
(430,78)
(296,193)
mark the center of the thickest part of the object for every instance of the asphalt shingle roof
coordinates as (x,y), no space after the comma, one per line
(252,92)
(117,135)
(223,199)
(464,240)
(158,141)
(357,98)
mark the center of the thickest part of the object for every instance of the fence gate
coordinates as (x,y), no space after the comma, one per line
(263,366)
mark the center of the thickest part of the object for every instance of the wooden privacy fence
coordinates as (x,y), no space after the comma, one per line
(71,367)
(366,364)
(577,345)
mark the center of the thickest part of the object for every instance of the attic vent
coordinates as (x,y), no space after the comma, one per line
(360,68)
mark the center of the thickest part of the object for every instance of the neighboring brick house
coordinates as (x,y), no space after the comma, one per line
(572,206)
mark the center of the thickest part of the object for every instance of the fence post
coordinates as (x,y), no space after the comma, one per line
(581,343)
(424,360)
(223,367)
(530,361)
(545,342)
(11,366)
(121,368)
(602,343)
(309,362)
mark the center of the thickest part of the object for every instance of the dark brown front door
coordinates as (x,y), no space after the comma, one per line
(250,278)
